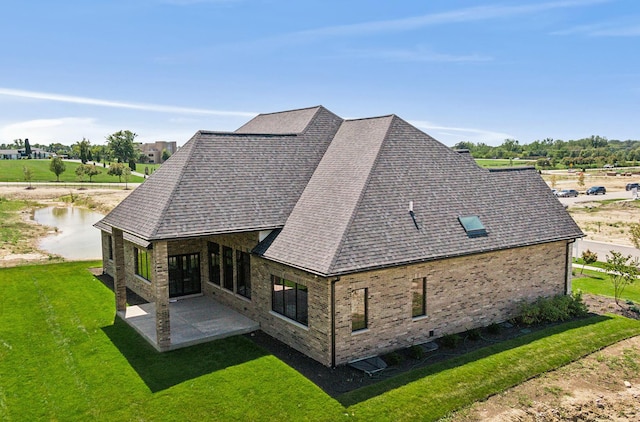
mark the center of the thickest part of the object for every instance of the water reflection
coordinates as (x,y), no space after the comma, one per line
(76,237)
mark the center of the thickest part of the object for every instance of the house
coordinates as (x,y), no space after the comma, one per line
(153,151)
(342,238)
(17,154)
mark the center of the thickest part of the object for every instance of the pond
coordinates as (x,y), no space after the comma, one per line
(75,238)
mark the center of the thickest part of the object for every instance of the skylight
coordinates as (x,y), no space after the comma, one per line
(473,226)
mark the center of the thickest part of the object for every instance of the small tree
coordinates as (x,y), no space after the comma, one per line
(554,181)
(165,155)
(58,167)
(28,175)
(126,173)
(116,169)
(81,172)
(588,258)
(92,170)
(634,234)
(132,165)
(581,179)
(623,270)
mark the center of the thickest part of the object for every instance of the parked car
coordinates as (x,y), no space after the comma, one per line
(630,186)
(608,166)
(567,193)
(596,190)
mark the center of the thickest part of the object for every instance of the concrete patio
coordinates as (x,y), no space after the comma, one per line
(193,320)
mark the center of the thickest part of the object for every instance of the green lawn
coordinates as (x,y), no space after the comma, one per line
(12,171)
(487,162)
(62,357)
(598,283)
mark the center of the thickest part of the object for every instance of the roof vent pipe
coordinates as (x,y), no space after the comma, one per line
(412,214)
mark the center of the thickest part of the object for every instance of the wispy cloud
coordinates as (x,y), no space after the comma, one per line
(452,135)
(608,29)
(416,55)
(52,130)
(120,104)
(471,14)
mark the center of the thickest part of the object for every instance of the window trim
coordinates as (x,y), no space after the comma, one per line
(210,248)
(365,320)
(243,274)
(137,254)
(422,282)
(299,314)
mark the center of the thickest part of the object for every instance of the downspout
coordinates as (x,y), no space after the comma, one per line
(333,321)
(568,268)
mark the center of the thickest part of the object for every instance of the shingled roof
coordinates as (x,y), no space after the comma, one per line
(338,194)
(355,216)
(227,182)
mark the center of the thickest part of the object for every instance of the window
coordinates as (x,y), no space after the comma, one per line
(142,263)
(289,299)
(214,263)
(473,226)
(419,297)
(227,268)
(110,241)
(359,315)
(243,271)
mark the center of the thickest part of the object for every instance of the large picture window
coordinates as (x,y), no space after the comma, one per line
(359,309)
(290,299)
(418,297)
(214,263)
(243,271)
(142,263)
(227,268)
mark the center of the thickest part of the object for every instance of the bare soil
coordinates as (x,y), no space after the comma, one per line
(26,250)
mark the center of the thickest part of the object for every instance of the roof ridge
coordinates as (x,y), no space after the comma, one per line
(177,182)
(365,186)
(371,117)
(289,111)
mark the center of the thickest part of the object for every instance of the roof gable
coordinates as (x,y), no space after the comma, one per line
(284,122)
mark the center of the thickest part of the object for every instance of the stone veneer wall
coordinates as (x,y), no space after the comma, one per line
(107,264)
(462,293)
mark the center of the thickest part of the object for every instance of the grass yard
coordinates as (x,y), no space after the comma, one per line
(598,283)
(492,163)
(12,171)
(62,357)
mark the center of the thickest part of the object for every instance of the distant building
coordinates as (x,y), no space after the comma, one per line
(153,151)
(16,154)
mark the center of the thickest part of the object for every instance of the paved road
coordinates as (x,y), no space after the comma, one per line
(602,249)
(588,198)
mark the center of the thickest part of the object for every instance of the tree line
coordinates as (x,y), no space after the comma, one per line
(595,151)
(120,147)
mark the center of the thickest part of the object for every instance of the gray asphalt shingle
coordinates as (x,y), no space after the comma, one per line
(338,193)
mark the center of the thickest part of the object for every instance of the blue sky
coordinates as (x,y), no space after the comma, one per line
(479,71)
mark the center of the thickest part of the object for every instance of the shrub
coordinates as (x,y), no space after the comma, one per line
(494,328)
(451,341)
(473,334)
(416,352)
(392,358)
(553,309)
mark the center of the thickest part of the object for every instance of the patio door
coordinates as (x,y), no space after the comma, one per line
(184,275)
